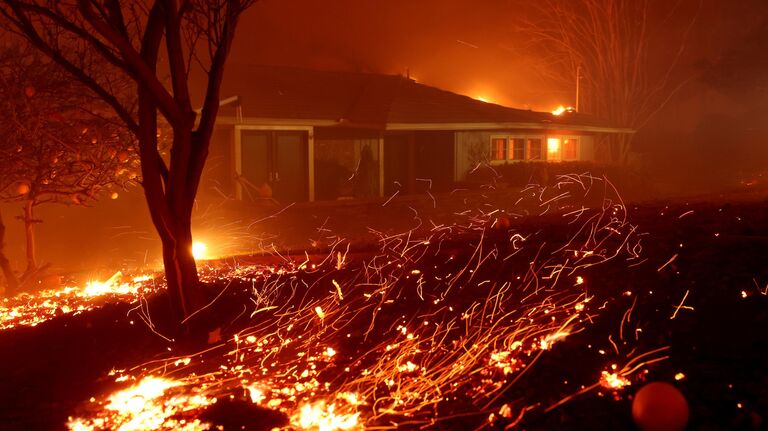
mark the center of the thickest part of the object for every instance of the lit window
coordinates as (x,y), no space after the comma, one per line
(517,146)
(498,149)
(570,146)
(553,149)
(534,149)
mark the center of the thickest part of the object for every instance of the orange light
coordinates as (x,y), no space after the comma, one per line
(553,145)
(560,110)
(199,250)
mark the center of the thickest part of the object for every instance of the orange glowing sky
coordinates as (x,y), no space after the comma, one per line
(464,46)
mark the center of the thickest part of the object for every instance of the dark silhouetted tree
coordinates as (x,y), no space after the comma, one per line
(626,53)
(83,35)
(58,145)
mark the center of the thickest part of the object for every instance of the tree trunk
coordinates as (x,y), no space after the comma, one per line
(29,233)
(11,281)
(170,215)
(184,287)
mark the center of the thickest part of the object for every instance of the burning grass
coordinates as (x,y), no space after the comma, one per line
(32,309)
(437,324)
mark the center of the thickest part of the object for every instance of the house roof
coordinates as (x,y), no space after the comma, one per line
(274,94)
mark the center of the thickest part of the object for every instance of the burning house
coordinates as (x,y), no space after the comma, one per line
(301,135)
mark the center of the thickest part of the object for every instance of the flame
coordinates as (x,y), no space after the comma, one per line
(31,309)
(199,250)
(319,416)
(613,380)
(134,399)
(99,288)
(560,110)
(146,406)
(342,344)
(553,145)
(256,394)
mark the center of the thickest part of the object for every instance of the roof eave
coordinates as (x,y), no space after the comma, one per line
(258,121)
(319,122)
(507,125)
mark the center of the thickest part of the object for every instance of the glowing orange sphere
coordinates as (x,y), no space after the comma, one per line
(22,188)
(659,406)
(502,222)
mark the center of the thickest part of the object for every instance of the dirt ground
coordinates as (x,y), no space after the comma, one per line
(708,251)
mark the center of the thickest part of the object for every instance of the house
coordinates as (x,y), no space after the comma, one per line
(301,135)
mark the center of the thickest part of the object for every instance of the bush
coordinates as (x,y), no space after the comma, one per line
(628,181)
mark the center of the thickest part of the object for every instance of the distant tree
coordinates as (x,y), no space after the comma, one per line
(626,53)
(741,72)
(129,37)
(58,146)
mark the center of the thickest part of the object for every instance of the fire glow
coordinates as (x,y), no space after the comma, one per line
(419,324)
(31,309)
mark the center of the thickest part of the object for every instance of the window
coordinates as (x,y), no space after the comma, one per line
(553,149)
(498,149)
(522,147)
(517,146)
(570,146)
(534,149)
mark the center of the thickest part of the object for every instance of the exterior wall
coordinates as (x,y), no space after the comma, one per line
(474,147)
(470,149)
(433,161)
(285,156)
(418,162)
(359,163)
(346,164)
(587,148)
(218,178)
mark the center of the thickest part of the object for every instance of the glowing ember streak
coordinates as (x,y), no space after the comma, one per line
(550,339)
(417,325)
(338,289)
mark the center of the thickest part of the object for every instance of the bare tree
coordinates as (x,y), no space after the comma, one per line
(626,54)
(129,36)
(57,147)
(5,265)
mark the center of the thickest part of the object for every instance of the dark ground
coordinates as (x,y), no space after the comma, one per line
(720,345)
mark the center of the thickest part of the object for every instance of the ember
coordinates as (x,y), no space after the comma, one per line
(30,309)
(418,324)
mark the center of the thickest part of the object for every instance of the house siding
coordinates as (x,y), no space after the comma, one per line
(218,178)
(472,147)
(341,171)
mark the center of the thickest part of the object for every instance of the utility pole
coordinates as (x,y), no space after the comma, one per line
(578,86)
